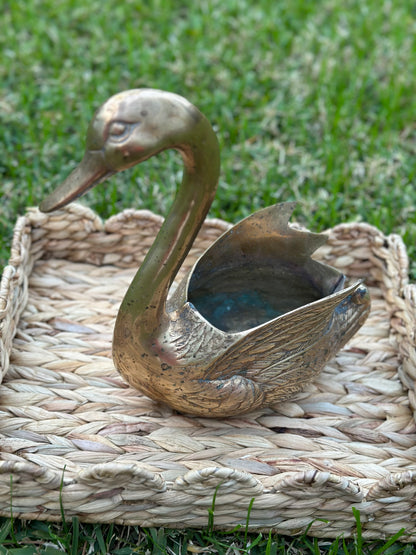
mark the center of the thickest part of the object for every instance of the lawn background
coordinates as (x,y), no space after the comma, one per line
(312,101)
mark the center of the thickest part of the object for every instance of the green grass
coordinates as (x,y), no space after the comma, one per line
(26,538)
(312,101)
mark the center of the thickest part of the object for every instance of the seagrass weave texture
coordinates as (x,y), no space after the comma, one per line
(71,430)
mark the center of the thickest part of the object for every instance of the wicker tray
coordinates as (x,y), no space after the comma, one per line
(72,431)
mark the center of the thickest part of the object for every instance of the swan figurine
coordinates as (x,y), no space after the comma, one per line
(255,319)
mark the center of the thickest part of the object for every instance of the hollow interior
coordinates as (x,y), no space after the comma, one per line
(234,300)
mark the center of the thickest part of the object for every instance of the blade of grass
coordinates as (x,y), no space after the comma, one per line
(211,510)
(359,531)
(75,536)
(248,520)
(390,542)
(100,539)
(5,529)
(12,532)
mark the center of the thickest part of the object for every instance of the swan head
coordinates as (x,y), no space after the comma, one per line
(127,129)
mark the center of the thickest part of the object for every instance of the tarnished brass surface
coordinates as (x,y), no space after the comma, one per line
(256,318)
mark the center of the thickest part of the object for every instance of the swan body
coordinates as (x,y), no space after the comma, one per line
(256,318)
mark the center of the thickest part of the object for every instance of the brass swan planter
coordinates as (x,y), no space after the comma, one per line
(256,319)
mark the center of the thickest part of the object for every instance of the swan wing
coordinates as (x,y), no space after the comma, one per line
(275,353)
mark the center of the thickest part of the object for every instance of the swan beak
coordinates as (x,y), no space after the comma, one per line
(89,172)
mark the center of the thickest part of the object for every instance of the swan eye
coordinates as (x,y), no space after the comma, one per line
(117,129)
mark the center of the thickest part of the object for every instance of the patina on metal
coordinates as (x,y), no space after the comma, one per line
(256,319)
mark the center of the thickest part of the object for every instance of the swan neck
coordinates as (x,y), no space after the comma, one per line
(145,300)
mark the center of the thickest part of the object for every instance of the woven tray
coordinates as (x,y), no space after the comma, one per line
(73,431)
